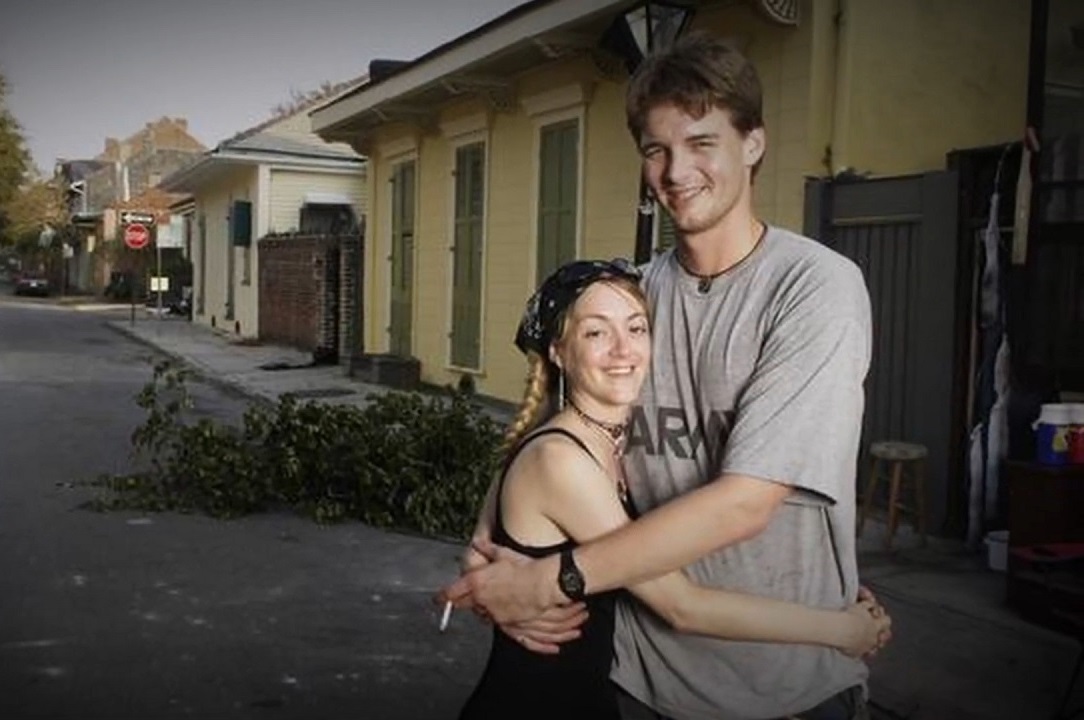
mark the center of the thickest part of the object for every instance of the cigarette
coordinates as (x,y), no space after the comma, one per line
(446,616)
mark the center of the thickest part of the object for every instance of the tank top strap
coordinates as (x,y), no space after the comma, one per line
(522,444)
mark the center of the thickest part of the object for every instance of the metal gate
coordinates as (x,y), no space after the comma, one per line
(901,232)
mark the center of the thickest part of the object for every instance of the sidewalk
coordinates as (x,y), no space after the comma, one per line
(238,365)
(958,652)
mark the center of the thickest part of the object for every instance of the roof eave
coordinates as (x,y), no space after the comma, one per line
(458,56)
(192,178)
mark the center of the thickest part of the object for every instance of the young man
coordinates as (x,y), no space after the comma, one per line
(742,452)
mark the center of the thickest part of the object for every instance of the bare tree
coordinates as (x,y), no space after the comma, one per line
(300,100)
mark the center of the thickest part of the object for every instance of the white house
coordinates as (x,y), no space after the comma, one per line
(275,178)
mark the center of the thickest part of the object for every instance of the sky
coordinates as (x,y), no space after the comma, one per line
(79,72)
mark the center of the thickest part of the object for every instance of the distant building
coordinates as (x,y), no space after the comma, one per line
(123,171)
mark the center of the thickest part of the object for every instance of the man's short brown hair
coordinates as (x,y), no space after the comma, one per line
(697,73)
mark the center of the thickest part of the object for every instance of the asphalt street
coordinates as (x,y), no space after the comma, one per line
(124,615)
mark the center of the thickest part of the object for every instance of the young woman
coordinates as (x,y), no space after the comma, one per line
(586,335)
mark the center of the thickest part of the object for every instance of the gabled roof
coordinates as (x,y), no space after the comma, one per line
(335,92)
(74,170)
(276,144)
(262,148)
(258,145)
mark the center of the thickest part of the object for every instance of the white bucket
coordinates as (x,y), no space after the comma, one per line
(1076,413)
(997,550)
(1055,414)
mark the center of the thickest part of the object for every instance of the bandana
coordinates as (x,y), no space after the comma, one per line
(542,318)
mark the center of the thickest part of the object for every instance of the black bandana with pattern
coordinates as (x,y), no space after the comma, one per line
(542,318)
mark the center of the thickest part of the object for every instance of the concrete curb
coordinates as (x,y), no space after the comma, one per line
(205,375)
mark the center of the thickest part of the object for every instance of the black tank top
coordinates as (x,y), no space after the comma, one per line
(518,683)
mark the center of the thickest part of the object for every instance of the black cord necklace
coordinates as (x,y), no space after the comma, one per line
(704,281)
(613,431)
(615,434)
(703,284)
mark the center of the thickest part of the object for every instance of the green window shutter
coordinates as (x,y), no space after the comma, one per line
(467,256)
(558,195)
(665,230)
(402,258)
(241,223)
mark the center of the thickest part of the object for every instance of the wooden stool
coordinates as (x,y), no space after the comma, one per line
(898,462)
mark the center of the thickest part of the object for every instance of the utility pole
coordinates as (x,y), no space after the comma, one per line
(158,272)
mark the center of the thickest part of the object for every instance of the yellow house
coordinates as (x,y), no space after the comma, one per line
(276,178)
(503,153)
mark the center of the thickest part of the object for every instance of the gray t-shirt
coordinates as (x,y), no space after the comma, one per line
(762,376)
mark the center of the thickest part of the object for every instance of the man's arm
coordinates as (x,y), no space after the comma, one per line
(725,511)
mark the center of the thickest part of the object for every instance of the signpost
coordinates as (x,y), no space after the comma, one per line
(136,237)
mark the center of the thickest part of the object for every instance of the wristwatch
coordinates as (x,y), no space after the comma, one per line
(569,577)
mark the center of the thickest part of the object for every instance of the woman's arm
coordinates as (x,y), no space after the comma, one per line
(580,498)
(483,528)
(693,608)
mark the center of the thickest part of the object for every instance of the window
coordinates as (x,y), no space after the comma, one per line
(665,231)
(558,195)
(327,219)
(200,297)
(467,255)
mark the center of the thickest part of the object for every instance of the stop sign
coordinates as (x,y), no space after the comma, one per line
(136,236)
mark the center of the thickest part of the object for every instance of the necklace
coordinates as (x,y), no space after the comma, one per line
(615,434)
(704,280)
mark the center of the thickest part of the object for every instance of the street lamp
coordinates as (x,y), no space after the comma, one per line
(645,27)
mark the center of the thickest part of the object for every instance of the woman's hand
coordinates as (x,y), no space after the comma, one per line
(869,627)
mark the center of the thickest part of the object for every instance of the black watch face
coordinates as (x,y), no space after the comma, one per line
(572,584)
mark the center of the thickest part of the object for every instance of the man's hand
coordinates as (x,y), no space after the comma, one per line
(511,588)
(865,595)
(546,633)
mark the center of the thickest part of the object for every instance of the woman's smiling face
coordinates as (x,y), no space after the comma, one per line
(605,349)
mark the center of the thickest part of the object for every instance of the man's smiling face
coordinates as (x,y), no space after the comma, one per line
(698,168)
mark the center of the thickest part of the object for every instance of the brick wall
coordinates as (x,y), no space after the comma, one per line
(299,292)
(351,258)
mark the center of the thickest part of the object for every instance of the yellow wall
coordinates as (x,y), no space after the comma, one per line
(607,218)
(903,84)
(213,201)
(608,198)
(782,58)
(923,77)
